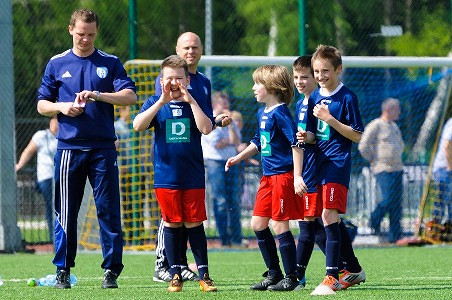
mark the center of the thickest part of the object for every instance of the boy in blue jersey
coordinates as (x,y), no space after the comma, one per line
(178,121)
(311,227)
(334,122)
(189,47)
(305,84)
(81,86)
(278,196)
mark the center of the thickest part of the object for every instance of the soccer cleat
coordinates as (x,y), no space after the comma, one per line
(62,280)
(269,280)
(188,275)
(162,275)
(347,279)
(175,284)
(328,286)
(110,280)
(301,284)
(288,283)
(206,284)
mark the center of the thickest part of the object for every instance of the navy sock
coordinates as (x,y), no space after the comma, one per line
(333,248)
(198,245)
(305,246)
(320,235)
(267,245)
(183,248)
(172,247)
(347,253)
(288,252)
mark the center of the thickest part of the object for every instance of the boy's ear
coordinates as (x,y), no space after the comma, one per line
(188,80)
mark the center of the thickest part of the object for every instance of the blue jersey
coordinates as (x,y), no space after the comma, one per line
(309,149)
(333,161)
(199,88)
(177,146)
(274,139)
(67,74)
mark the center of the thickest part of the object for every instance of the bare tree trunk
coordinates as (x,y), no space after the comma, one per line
(339,30)
(409,8)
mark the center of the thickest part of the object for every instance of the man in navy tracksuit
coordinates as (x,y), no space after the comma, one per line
(81,86)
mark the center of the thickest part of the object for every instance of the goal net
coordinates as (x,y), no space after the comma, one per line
(422,85)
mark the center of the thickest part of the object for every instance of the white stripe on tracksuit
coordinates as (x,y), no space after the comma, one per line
(160,249)
(64,188)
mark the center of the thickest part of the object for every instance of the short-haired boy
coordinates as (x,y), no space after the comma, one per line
(335,122)
(178,122)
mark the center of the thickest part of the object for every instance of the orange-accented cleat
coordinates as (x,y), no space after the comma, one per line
(175,284)
(347,279)
(329,286)
(206,284)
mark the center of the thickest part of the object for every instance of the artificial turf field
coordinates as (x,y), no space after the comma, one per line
(392,273)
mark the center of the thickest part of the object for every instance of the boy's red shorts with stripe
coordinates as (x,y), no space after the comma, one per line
(186,205)
(312,205)
(333,196)
(276,198)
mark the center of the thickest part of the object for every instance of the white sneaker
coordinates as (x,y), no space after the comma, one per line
(347,279)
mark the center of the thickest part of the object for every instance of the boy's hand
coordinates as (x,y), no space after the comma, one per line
(223,119)
(186,96)
(231,161)
(299,185)
(322,112)
(166,89)
(301,136)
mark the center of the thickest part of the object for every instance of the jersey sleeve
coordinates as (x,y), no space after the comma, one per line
(120,79)
(287,125)
(48,89)
(353,114)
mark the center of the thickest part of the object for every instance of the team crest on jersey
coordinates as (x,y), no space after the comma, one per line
(102,72)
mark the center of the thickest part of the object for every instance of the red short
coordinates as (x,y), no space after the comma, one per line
(333,196)
(276,198)
(312,205)
(182,205)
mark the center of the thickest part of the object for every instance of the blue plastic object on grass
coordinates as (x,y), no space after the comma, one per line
(49,280)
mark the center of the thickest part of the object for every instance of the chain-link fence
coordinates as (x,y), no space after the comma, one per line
(258,27)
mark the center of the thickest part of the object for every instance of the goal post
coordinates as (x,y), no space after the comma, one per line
(422,85)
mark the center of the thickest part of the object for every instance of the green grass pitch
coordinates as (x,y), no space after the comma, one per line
(392,273)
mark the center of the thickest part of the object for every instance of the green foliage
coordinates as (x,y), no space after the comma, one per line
(392,273)
(434,38)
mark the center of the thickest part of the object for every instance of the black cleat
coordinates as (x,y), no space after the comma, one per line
(62,280)
(188,274)
(269,280)
(110,280)
(288,283)
(162,275)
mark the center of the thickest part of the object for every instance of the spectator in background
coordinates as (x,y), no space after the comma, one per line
(44,143)
(225,188)
(382,145)
(442,174)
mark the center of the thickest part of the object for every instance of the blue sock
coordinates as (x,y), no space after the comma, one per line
(320,235)
(198,245)
(305,246)
(172,247)
(333,248)
(288,252)
(347,252)
(184,240)
(267,245)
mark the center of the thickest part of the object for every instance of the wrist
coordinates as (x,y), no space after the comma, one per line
(97,93)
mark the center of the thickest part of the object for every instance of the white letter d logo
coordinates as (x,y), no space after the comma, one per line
(177,128)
